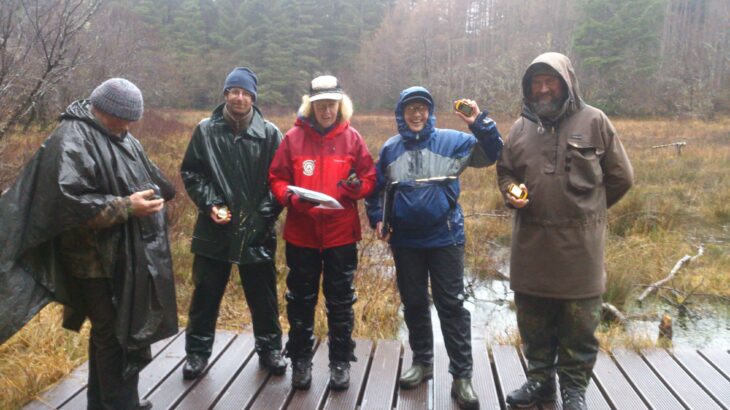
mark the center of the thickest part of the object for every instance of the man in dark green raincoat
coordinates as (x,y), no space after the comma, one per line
(82,225)
(225,172)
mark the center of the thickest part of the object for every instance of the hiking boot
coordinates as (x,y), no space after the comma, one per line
(464,393)
(301,376)
(194,365)
(415,375)
(339,375)
(143,405)
(273,361)
(573,399)
(531,393)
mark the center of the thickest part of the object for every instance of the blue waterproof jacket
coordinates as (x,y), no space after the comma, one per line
(426,213)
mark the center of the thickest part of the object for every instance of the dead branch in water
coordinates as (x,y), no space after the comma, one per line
(686,259)
(610,313)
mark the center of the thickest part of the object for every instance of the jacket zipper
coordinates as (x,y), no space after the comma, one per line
(321,185)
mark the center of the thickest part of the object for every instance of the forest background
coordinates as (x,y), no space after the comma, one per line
(634,57)
(659,68)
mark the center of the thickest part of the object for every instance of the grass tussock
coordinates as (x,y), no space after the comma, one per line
(677,202)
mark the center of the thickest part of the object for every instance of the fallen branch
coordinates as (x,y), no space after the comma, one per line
(677,266)
(610,313)
(677,146)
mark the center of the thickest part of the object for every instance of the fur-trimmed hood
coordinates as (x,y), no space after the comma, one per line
(344,114)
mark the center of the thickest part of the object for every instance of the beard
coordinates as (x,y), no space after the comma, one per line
(547,108)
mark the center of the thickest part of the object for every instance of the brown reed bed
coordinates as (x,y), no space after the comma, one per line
(677,202)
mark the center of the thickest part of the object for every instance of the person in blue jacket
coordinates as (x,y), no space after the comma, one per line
(417,180)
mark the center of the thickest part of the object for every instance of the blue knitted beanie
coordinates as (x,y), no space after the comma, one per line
(241,77)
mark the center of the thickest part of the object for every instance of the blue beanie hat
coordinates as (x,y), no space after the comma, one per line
(241,77)
(118,97)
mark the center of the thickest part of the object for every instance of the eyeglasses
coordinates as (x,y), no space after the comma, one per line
(237,92)
(416,108)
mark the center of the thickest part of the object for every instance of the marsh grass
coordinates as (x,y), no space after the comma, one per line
(677,203)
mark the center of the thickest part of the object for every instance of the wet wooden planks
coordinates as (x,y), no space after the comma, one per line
(653,379)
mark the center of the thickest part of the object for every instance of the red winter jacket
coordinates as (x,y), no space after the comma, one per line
(318,162)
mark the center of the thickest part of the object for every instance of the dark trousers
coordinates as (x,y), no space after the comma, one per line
(305,267)
(445,267)
(107,388)
(259,285)
(559,337)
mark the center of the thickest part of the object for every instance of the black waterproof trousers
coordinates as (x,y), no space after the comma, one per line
(559,337)
(305,267)
(259,285)
(445,267)
(107,388)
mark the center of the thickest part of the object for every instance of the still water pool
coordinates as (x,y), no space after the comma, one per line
(493,318)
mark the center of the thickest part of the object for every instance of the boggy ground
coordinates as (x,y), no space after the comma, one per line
(678,202)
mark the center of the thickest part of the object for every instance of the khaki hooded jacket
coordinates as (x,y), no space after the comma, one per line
(575,168)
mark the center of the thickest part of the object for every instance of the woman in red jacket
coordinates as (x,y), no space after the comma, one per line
(322,153)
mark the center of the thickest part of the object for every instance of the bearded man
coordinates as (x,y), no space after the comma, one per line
(568,157)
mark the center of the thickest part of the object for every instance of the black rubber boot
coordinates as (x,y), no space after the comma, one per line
(414,376)
(463,392)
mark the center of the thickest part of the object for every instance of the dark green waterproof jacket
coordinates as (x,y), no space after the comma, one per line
(221,168)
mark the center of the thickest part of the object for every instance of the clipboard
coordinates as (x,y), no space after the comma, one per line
(388,194)
(323,200)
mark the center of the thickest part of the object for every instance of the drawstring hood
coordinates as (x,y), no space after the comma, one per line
(406,96)
(573,101)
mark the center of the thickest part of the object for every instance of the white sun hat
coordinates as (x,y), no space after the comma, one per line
(325,87)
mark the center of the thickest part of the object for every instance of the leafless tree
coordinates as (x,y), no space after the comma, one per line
(38,49)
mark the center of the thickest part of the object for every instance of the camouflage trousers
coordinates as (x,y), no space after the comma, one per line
(559,337)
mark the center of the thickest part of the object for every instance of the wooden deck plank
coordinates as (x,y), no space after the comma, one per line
(510,372)
(277,390)
(720,360)
(650,387)
(148,377)
(411,399)
(157,347)
(686,389)
(165,362)
(442,379)
(594,397)
(75,382)
(212,384)
(657,379)
(617,388)
(314,397)
(247,383)
(347,399)
(482,379)
(380,389)
(64,391)
(707,376)
(167,394)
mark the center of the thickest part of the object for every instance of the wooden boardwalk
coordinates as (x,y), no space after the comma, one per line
(655,379)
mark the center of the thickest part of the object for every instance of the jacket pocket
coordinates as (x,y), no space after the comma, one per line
(583,165)
(258,232)
(417,208)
